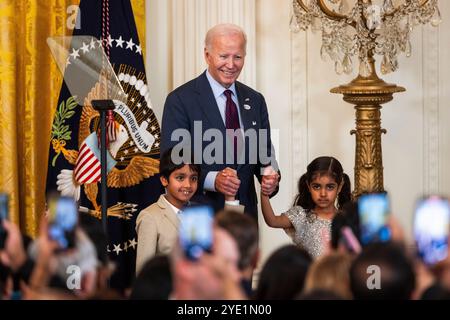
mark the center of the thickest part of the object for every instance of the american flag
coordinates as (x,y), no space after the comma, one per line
(87,167)
(126,57)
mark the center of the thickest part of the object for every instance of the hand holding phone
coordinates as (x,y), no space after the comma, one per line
(63,218)
(431,229)
(373,210)
(196,231)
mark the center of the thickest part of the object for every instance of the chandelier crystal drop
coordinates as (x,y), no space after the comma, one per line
(364,28)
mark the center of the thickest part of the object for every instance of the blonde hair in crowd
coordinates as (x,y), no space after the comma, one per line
(330,273)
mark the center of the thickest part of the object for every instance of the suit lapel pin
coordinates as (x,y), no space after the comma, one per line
(247,107)
(254,123)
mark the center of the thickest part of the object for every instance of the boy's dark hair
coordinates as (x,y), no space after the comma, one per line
(318,167)
(283,275)
(244,230)
(167,165)
(397,278)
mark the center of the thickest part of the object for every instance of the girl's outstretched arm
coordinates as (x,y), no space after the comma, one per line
(271,219)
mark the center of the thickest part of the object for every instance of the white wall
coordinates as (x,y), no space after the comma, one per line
(273,72)
(158,47)
(288,70)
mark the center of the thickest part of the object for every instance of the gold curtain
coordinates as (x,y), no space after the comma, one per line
(139,16)
(29,88)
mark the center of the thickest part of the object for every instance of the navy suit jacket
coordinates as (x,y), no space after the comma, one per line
(194,101)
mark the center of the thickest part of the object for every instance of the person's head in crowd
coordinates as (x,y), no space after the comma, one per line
(154,281)
(179,178)
(319,294)
(382,271)
(435,291)
(244,230)
(330,273)
(213,276)
(225,50)
(323,183)
(283,275)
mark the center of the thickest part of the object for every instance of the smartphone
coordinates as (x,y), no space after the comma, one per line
(350,241)
(63,218)
(373,211)
(196,231)
(431,229)
(4,215)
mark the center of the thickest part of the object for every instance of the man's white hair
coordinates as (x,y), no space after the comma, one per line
(223,29)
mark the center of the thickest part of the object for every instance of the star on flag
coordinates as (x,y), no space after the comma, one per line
(130,44)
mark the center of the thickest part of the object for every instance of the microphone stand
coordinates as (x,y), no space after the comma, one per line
(102,106)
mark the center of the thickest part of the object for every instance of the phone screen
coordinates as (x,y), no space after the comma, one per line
(373,212)
(4,215)
(196,231)
(431,229)
(63,218)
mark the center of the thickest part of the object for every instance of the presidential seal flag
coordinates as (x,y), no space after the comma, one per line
(133,132)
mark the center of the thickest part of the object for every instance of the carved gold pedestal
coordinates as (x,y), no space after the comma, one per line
(368,94)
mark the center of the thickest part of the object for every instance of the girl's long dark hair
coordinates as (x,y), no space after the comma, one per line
(318,167)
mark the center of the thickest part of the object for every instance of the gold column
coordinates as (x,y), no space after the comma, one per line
(368,94)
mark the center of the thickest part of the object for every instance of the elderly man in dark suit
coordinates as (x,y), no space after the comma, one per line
(225,124)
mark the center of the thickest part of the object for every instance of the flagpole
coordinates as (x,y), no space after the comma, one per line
(103,106)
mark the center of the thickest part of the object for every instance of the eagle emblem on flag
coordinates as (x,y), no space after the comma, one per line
(127,164)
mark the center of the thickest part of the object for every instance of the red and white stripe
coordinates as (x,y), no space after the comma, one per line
(87,167)
(111,127)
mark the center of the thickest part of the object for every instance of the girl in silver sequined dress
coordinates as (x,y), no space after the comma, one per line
(308,222)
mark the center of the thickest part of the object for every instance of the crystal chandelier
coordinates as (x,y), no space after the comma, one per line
(364,28)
